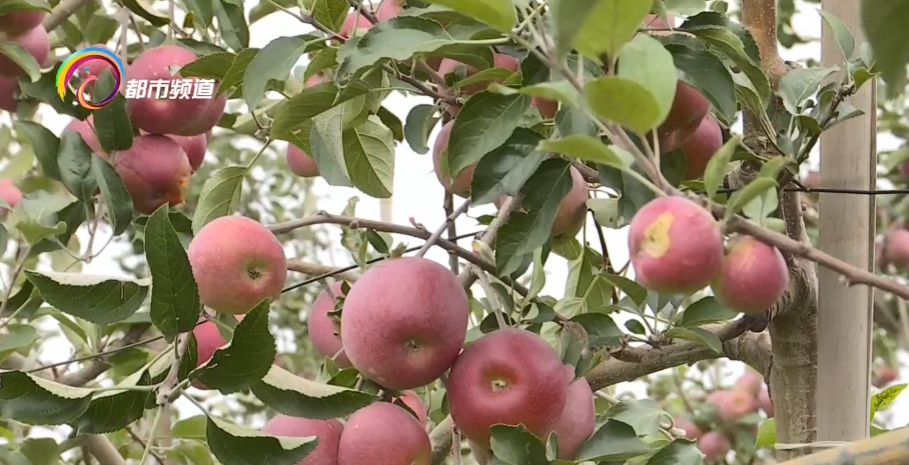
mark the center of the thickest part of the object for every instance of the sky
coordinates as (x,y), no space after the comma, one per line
(418,195)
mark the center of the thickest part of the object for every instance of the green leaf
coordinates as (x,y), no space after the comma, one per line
(678,452)
(220,195)
(883,399)
(12,6)
(499,14)
(190,428)
(504,170)
(113,410)
(75,162)
(614,441)
(45,90)
(21,57)
(716,167)
(324,59)
(330,13)
(609,25)
(290,119)
(97,299)
(214,66)
(327,145)
(117,199)
(369,152)
(237,70)
(703,70)
(742,197)
(201,11)
(766,436)
(34,400)
(601,329)
(418,125)
(572,341)
(606,212)
(643,415)
(586,283)
(525,232)
(41,451)
(798,85)
(274,61)
(517,446)
(175,305)
(392,122)
(625,102)
(45,145)
(844,39)
(232,23)
(590,149)
(485,123)
(397,39)
(567,18)
(646,62)
(237,445)
(246,359)
(112,125)
(146,12)
(17,337)
(705,311)
(292,395)
(883,22)
(698,336)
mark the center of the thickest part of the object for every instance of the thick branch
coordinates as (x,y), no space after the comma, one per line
(102,449)
(62,11)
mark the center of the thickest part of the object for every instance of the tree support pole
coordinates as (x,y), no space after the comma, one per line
(847,230)
(887,449)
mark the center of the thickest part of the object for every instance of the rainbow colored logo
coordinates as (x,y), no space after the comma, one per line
(78,62)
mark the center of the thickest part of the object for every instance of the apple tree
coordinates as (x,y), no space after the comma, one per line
(673,121)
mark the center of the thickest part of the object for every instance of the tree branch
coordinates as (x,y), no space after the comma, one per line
(315,269)
(62,11)
(102,449)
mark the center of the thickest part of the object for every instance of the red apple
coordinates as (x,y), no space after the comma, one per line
(753,277)
(97,67)
(765,403)
(548,108)
(20,22)
(86,129)
(715,446)
(701,146)
(194,146)
(384,434)
(8,88)
(676,246)
(328,431)
(10,194)
(322,330)
(896,249)
(493,382)
(404,322)
(885,376)
(461,185)
(578,419)
(691,430)
(154,170)
(35,42)
(237,263)
(750,382)
(689,107)
(300,163)
(413,402)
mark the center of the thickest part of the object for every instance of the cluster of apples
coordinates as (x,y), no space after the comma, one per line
(748,395)
(173,134)
(677,247)
(23,28)
(403,325)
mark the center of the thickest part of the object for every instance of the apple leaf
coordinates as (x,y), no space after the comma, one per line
(21,57)
(704,70)
(644,415)
(114,193)
(111,123)
(75,161)
(330,13)
(246,359)
(646,62)
(590,149)
(705,311)
(844,39)
(766,435)
(190,428)
(883,22)
(697,335)
(236,445)
(572,341)
(45,145)
(516,445)
(678,452)
(291,116)
(499,14)
(17,337)
(110,411)
(485,123)
(292,395)
(274,61)
(883,399)
(98,299)
(398,39)
(568,16)
(220,195)
(601,329)
(369,153)
(175,305)
(418,125)
(12,6)
(34,400)
(587,283)
(751,191)
(614,441)
(326,146)
(232,23)
(525,232)
(146,12)
(504,170)
(624,101)
(715,172)
(607,27)
(798,85)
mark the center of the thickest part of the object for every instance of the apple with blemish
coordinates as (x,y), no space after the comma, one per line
(676,246)
(753,276)
(384,434)
(194,146)
(500,60)
(327,431)
(181,117)
(237,263)
(154,170)
(35,42)
(492,383)
(404,322)
(323,332)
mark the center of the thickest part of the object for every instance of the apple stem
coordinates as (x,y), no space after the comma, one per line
(438,232)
